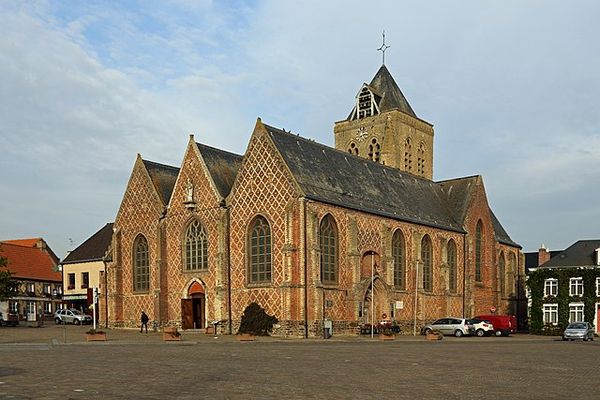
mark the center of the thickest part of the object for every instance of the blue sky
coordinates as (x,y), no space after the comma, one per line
(511,87)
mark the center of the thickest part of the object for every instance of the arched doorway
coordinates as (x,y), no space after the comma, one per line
(193,308)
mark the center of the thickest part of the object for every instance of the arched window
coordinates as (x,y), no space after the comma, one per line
(421,160)
(353,149)
(426,258)
(196,247)
(259,243)
(452,275)
(328,241)
(399,260)
(141,265)
(512,274)
(408,155)
(501,275)
(374,150)
(478,250)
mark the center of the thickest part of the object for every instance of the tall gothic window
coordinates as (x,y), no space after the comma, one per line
(452,275)
(196,247)
(374,151)
(399,260)
(478,250)
(426,258)
(260,251)
(408,155)
(141,265)
(421,160)
(512,274)
(501,275)
(329,256)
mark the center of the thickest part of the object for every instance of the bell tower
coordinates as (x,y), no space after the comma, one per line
(383,128)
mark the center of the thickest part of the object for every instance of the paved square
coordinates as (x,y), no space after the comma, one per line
(37,364)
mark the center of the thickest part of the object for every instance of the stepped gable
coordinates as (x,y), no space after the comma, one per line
(222,165)
(580,254)
(163,178)
(391,96)
(94,248)
(336,177)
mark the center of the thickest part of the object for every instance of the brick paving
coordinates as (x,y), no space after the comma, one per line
(36,363)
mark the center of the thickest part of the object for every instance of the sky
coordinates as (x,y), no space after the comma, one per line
(512,89)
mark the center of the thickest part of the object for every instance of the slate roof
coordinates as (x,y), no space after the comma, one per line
(500,233)
(94,248)
(336,177)
(222,165)
(532,258)
(579,254)
(27,262)
(163,178)
(391,95)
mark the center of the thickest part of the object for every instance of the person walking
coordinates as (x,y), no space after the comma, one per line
(145,320)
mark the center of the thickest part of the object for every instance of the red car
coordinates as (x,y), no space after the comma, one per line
(504,325)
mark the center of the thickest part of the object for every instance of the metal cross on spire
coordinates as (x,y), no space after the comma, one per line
(383,48)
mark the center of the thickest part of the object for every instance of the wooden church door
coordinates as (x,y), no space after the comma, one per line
(187,314)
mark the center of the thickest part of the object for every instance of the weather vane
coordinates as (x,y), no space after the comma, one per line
(383,48)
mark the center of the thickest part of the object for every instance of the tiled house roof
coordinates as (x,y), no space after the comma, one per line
(29,262)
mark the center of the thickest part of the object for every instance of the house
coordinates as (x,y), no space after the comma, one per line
(34,265)
(313,234)
(566,287)
(83,269)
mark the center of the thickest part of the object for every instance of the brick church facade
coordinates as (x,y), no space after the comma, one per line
(310,232)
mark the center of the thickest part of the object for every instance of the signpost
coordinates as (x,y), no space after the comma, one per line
(94,302)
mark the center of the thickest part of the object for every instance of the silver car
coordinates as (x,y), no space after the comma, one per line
(579,330)
(71,316)
(449,326)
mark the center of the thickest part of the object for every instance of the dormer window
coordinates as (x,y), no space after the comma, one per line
(366,103)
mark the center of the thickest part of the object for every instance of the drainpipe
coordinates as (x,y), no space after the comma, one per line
(228,260)
(464,274)
(305,260)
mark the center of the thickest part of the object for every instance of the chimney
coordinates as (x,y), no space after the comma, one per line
(543,255)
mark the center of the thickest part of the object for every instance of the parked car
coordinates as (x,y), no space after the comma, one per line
(481,327)
(504,325)
(579,330)
(8,317)
(71,316)
(449,326)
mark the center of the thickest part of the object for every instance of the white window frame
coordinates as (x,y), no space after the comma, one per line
(30,287)
(576,310)
(550,287)
(550,309)
(30,307)
(48,307)
(576,284)
(598,286)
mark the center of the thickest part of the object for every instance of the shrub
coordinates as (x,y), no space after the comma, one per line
(256,321)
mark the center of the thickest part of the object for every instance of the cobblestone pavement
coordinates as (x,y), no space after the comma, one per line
(36,363)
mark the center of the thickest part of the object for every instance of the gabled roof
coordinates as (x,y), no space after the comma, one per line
(163,178)
(391,96)
(336,177)
(532,258)
(37,242)
(500,233)
(94,248)
(459,193)
(27,262)
(222,166)
(579,254)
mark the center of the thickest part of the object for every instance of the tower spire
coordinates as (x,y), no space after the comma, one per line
(383,48)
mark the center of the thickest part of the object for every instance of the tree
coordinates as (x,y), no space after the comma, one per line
(8,286)
(256,321)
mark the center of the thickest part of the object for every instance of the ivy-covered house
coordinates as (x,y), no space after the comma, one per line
(566,288)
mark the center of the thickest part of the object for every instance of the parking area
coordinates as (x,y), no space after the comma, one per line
(55,362)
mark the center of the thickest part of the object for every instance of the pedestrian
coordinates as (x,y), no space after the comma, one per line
(144,322)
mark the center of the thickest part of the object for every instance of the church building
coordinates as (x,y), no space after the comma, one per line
(352,234)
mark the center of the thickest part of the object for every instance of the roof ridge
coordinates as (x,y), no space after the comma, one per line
(217,149)
(458,179)
(159,164)
(345,153)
